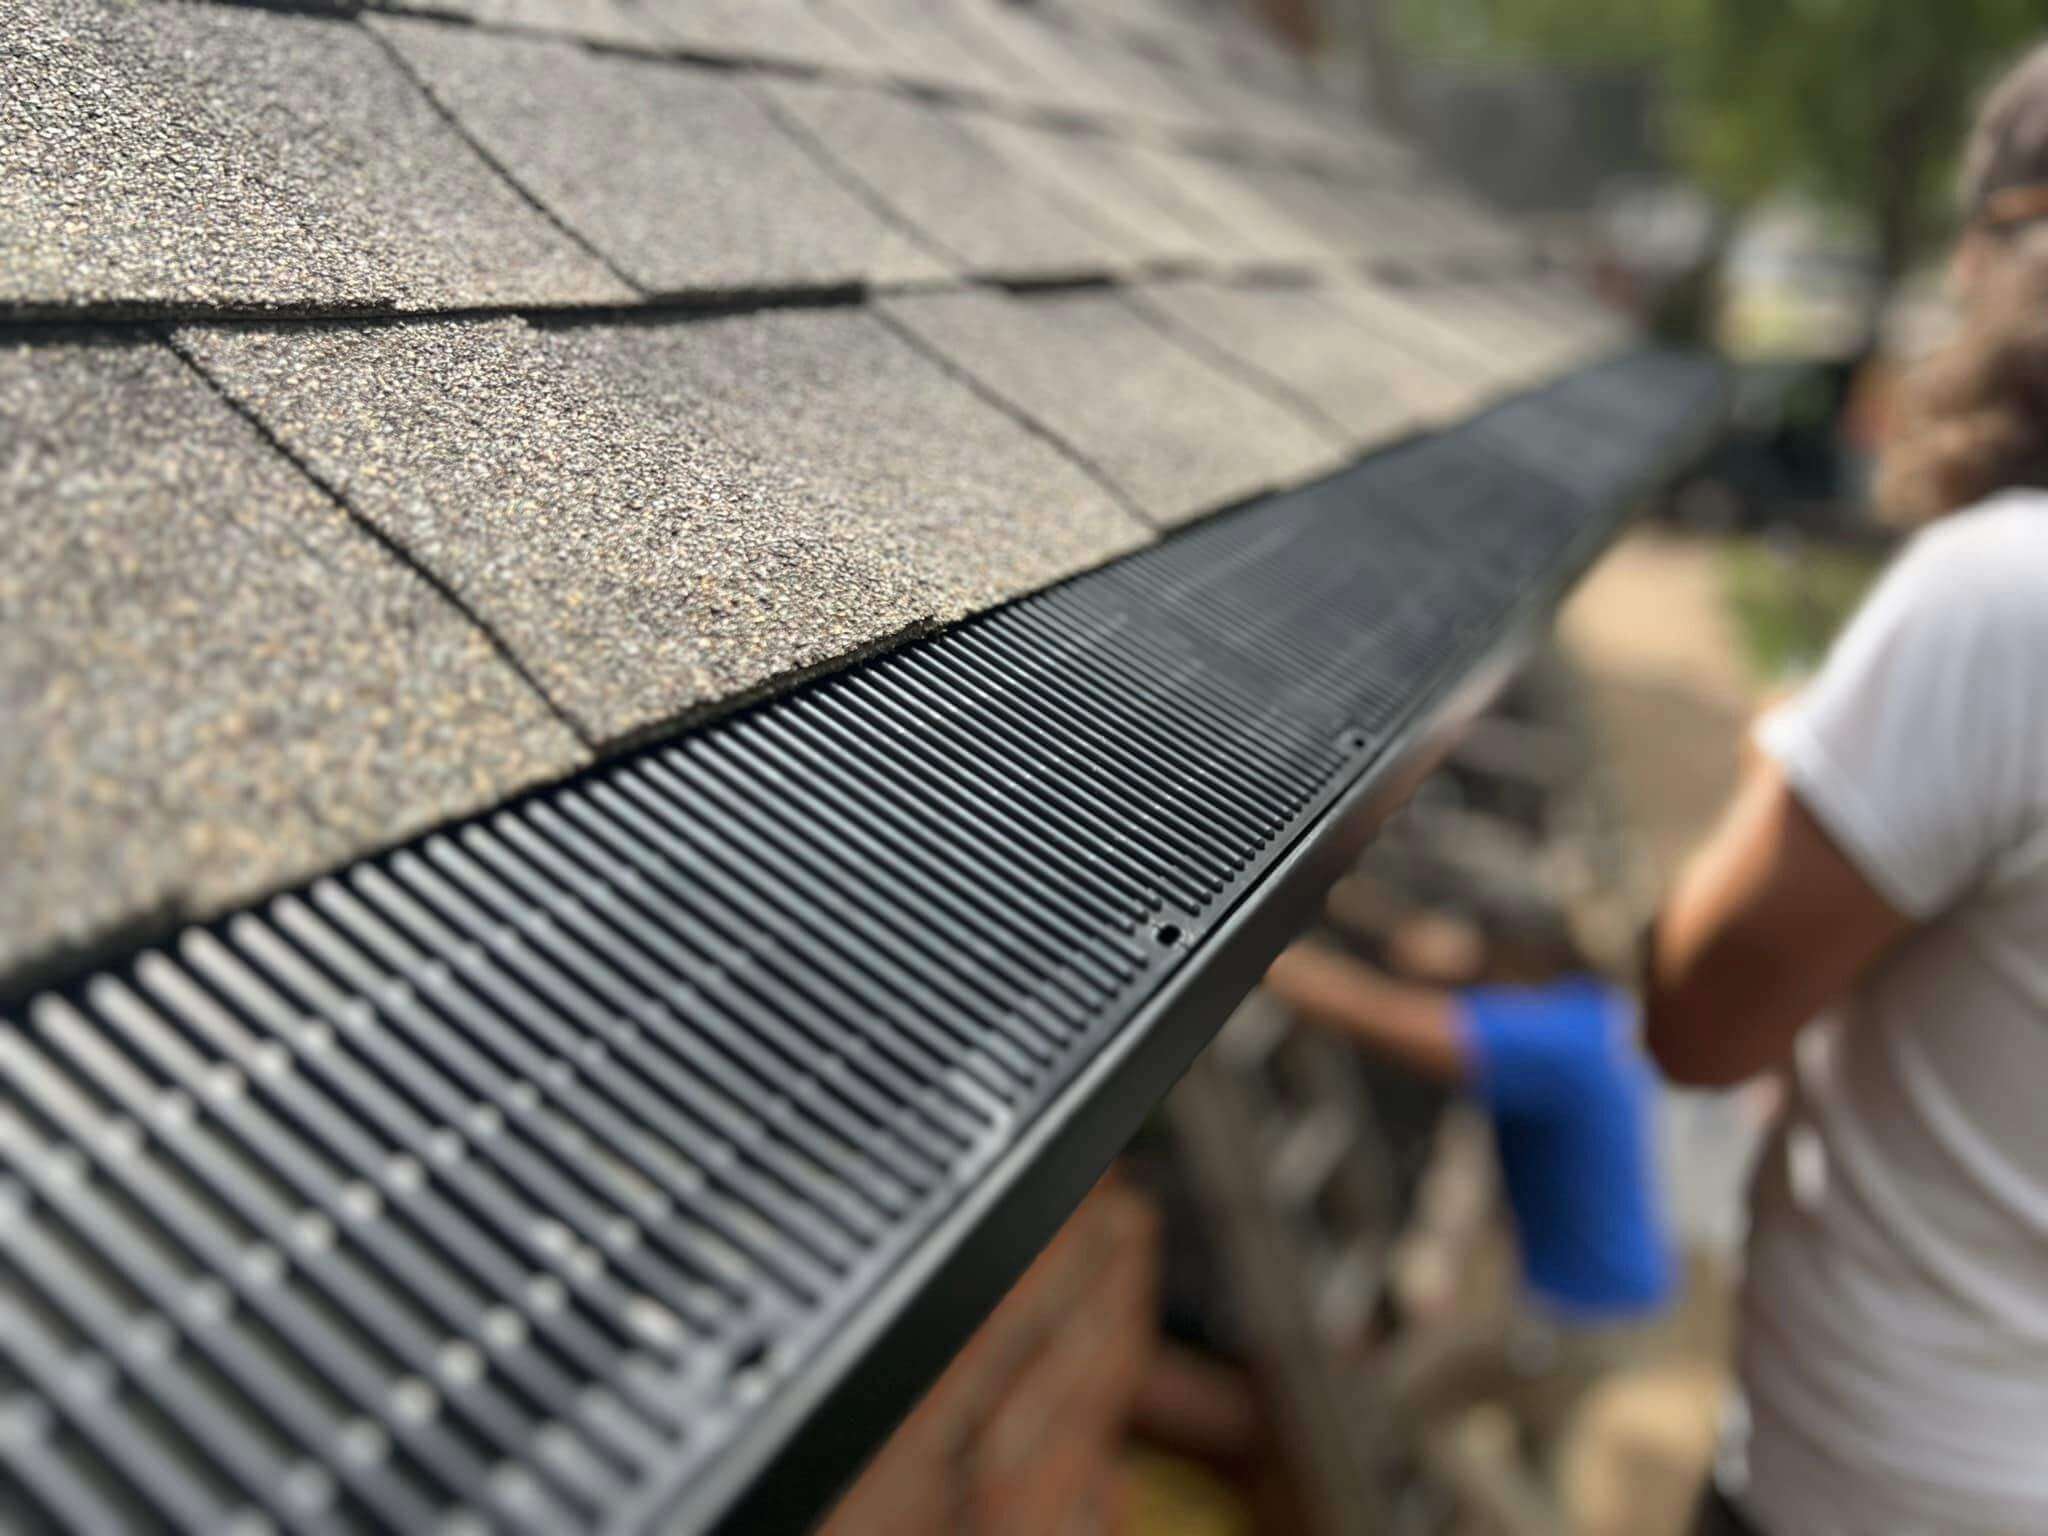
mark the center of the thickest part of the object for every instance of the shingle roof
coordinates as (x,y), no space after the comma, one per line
(742,204)
(922,163)
(600,498)
(1169,428)
(772,31)
(160,156)
(477,388)
(211,679)
(1321,357)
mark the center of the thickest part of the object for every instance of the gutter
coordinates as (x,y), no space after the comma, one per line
(764,1061)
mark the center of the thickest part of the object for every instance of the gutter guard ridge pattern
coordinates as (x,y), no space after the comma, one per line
(542,1172)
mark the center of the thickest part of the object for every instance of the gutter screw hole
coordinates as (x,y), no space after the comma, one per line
(749,1358)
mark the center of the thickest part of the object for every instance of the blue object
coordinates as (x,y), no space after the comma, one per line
(1571,1099)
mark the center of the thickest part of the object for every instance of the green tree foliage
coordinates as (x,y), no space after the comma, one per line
(1862,102)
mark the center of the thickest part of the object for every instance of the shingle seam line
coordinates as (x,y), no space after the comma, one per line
(391,545)
(853,185)
(497,166)
(1023,418)
(34,319)
(681,303)
(1249,374)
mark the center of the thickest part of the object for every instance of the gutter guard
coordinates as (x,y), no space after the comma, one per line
(629,1158)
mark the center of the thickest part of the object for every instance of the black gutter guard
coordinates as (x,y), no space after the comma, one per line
(631,1157)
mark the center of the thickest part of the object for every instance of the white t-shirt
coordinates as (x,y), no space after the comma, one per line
(1895,1313)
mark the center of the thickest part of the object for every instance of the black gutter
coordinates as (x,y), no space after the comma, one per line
(818,1435)
(962,914)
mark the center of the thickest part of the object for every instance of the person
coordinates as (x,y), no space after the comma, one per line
(1883,873)
(1556,1065)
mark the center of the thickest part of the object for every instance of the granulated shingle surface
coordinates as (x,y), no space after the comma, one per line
(661,516)
(888,449)
(1423,230)
(740,205)
(157,155)
(620,23)
(1178,434)
(1013,54)
(1416,321)
(640,569)
(1139,211)
(1236,200)
(1056,68)
(1354,222)
(785,31)
(213,681)
(1532,329)
(1284,114)
(1133,86)
(1479,328)
(926,42)
(1301,343)
(952,187)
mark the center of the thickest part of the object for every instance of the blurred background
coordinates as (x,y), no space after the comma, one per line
(1293,1306)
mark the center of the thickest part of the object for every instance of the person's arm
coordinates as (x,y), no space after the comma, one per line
(1416,1025)
(1767,925)
(1894,785)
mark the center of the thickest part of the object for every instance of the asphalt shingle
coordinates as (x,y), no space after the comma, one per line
(619,23)
(1167,26)
(1228,77)
(1351,223)
(213,680)
(1061,71)
(1386,224)
(778,31)
(1538,330)
(205,156)
(1138,210)
(1074,71)
(951,186)
(839,412)
(1176,433)
(1433,323)
(1278,107)
(1295,340)
(740,203)
(1585,329)
(1233,197)
(1139,88)
(1428,232)
(611,545)
(602,499)
(925,42)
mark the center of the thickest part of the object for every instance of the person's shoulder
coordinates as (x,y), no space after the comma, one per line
(1982,569)
(2002,542)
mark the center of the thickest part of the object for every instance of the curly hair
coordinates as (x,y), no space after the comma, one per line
(1973,416)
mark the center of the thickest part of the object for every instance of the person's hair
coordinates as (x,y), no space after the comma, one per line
(1973,417)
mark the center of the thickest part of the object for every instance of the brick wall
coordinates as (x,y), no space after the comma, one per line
(1022,1432)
